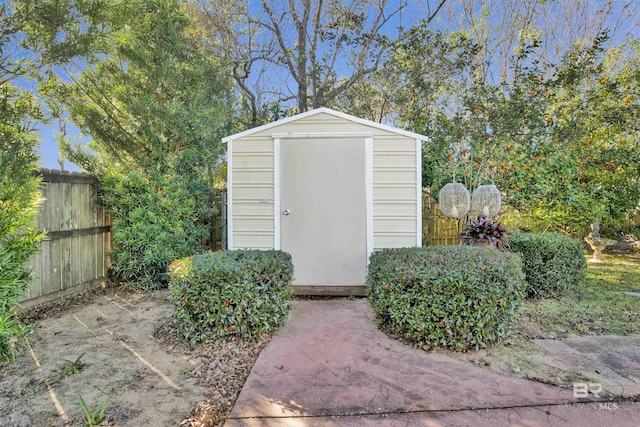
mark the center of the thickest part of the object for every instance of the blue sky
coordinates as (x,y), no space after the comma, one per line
(49,152)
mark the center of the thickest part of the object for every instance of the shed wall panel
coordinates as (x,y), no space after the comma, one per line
(252,144)
(249,176)
(394,241)
(253,192)
(253,223)
(395,144)
(394,159)
(257,161)
(394,176)
(252,209)
(390,209)
(393,192)
(395,218)
(253,241)
(399,224)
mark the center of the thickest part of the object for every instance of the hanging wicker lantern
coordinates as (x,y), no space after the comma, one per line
(486,201)
(454,200)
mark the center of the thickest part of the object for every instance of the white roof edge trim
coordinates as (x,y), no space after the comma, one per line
(331,112)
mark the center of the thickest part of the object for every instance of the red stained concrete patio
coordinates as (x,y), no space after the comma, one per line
(330,365)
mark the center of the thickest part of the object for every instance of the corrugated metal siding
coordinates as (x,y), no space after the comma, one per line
(394,192)
(253,192)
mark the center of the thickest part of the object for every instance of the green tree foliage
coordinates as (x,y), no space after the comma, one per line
(562,148)
(19,199)
(19,195)
(551,121)
(155,105)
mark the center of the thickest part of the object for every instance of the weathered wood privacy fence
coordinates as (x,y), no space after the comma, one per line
(74,255)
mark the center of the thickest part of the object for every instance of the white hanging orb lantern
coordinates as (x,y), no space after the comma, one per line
(486,201)
(454,200)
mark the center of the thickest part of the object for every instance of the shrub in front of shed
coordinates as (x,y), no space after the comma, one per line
(458,297)
(552,262)
(230,293)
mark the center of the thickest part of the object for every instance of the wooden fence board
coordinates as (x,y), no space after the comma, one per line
(51,267)
(66,206)
(75,256)
(75,212)
(43,217)
(98,253)
(34,290)
(54,206)
(65,261)
(106,238)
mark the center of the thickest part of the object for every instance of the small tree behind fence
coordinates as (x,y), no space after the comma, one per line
(437,229)
(74,254)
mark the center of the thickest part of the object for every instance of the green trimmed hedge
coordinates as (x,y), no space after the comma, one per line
(451,296)
(552,262)
(230,293)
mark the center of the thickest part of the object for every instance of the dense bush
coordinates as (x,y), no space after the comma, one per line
(552,262)
(452,296)
(156,219)
(231,293)
(19,197)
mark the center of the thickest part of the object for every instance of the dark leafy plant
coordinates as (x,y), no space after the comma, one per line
(487,230)
(552,262)
(459,297)
(231,293)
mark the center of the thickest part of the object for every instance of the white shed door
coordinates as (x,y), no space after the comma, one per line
(323,201)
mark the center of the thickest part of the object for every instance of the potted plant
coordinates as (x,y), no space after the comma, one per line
(485,233)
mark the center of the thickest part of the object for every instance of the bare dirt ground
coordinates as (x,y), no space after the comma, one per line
(128,351)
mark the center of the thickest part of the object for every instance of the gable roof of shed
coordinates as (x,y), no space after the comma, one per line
(326,111)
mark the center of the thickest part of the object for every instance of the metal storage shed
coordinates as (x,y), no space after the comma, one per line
(328,188)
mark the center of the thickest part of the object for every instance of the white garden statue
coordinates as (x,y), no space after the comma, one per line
(596,242)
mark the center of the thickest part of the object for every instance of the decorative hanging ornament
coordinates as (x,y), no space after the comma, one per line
(486,201)
(454,200)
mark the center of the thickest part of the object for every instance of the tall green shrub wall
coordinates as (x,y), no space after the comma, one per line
(157,218)
(552,262)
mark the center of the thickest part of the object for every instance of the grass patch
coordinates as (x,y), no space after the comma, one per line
(595,306)
(68,368)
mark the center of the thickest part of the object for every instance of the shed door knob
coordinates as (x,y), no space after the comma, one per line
(286,212)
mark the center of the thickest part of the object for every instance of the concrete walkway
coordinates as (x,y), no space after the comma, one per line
(609,360)
(330,366)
